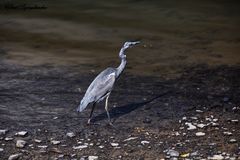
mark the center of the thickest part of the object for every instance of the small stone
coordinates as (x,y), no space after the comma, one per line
(172,153)
(144,142)
(80,147)
(37,140)
(54,142)
(44,146)
(130,138)
(232,140)
(3,132)
(234,120)
(101,146)
(21,133)
(177,134)
(8,138)
(215,124)
(20,143)
(184,118)
(199,111)
(215,120)
(55,117)
(194,154)
(114,144)
(225,99)
(14,156)
(194,118)
(61,156)
(70,134)
(55,150)
(199,134)
(1,149)
(42,150)
(201,125)
(212,144)
(73,155)
(185,155)
(92,157)
(190,126)
(147,120)
(91,144)
(216,157)
(227,133)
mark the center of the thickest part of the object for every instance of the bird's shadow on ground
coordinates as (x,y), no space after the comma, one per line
(122,110)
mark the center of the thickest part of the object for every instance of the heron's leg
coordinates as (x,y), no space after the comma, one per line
(90,117)
(106,108)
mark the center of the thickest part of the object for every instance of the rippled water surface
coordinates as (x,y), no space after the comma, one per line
(89,34)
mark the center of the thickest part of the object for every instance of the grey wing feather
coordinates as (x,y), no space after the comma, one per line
(100,86)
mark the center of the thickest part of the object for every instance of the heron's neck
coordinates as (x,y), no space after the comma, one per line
(123,62)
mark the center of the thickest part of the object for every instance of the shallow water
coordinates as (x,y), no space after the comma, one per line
(88,34)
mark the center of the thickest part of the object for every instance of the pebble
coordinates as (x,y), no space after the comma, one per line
(14,156)
(216,157)
(177,134)
(130,138)
(44,146)
(172,153)
(21,133)
(215,120)
(92,157)
(194,118)
(199,111)
(73,155)
(190,126)
(1,149)
(147,120)
(55,150)
(101,147)
(20,143)
(37,140)
(225,99)
(194,154)
(215,124)
(54,142)
(80,147)
(71,134)
(200,134)
(8,138)
(114,144)
(61,156)
(227,133)
(145,142)
(201,125)
(232,140)
(3,131)
(234,120)
(185,155)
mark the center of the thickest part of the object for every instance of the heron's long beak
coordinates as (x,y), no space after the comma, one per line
(137,42)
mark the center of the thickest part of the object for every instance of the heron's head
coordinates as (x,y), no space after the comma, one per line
(130,44)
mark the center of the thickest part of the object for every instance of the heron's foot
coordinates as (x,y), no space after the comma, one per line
(110,123)
(91,123)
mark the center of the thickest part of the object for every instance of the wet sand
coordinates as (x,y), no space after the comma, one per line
(42,101)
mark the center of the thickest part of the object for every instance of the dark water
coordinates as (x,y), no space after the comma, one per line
(89,34)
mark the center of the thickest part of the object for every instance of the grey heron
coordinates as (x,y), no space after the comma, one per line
(103,84)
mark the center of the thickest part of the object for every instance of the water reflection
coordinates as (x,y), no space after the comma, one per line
(89,34)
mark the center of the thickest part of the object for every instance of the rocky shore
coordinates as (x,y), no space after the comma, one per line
(195,116)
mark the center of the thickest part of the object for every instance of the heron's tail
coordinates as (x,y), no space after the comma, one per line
(82,106)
